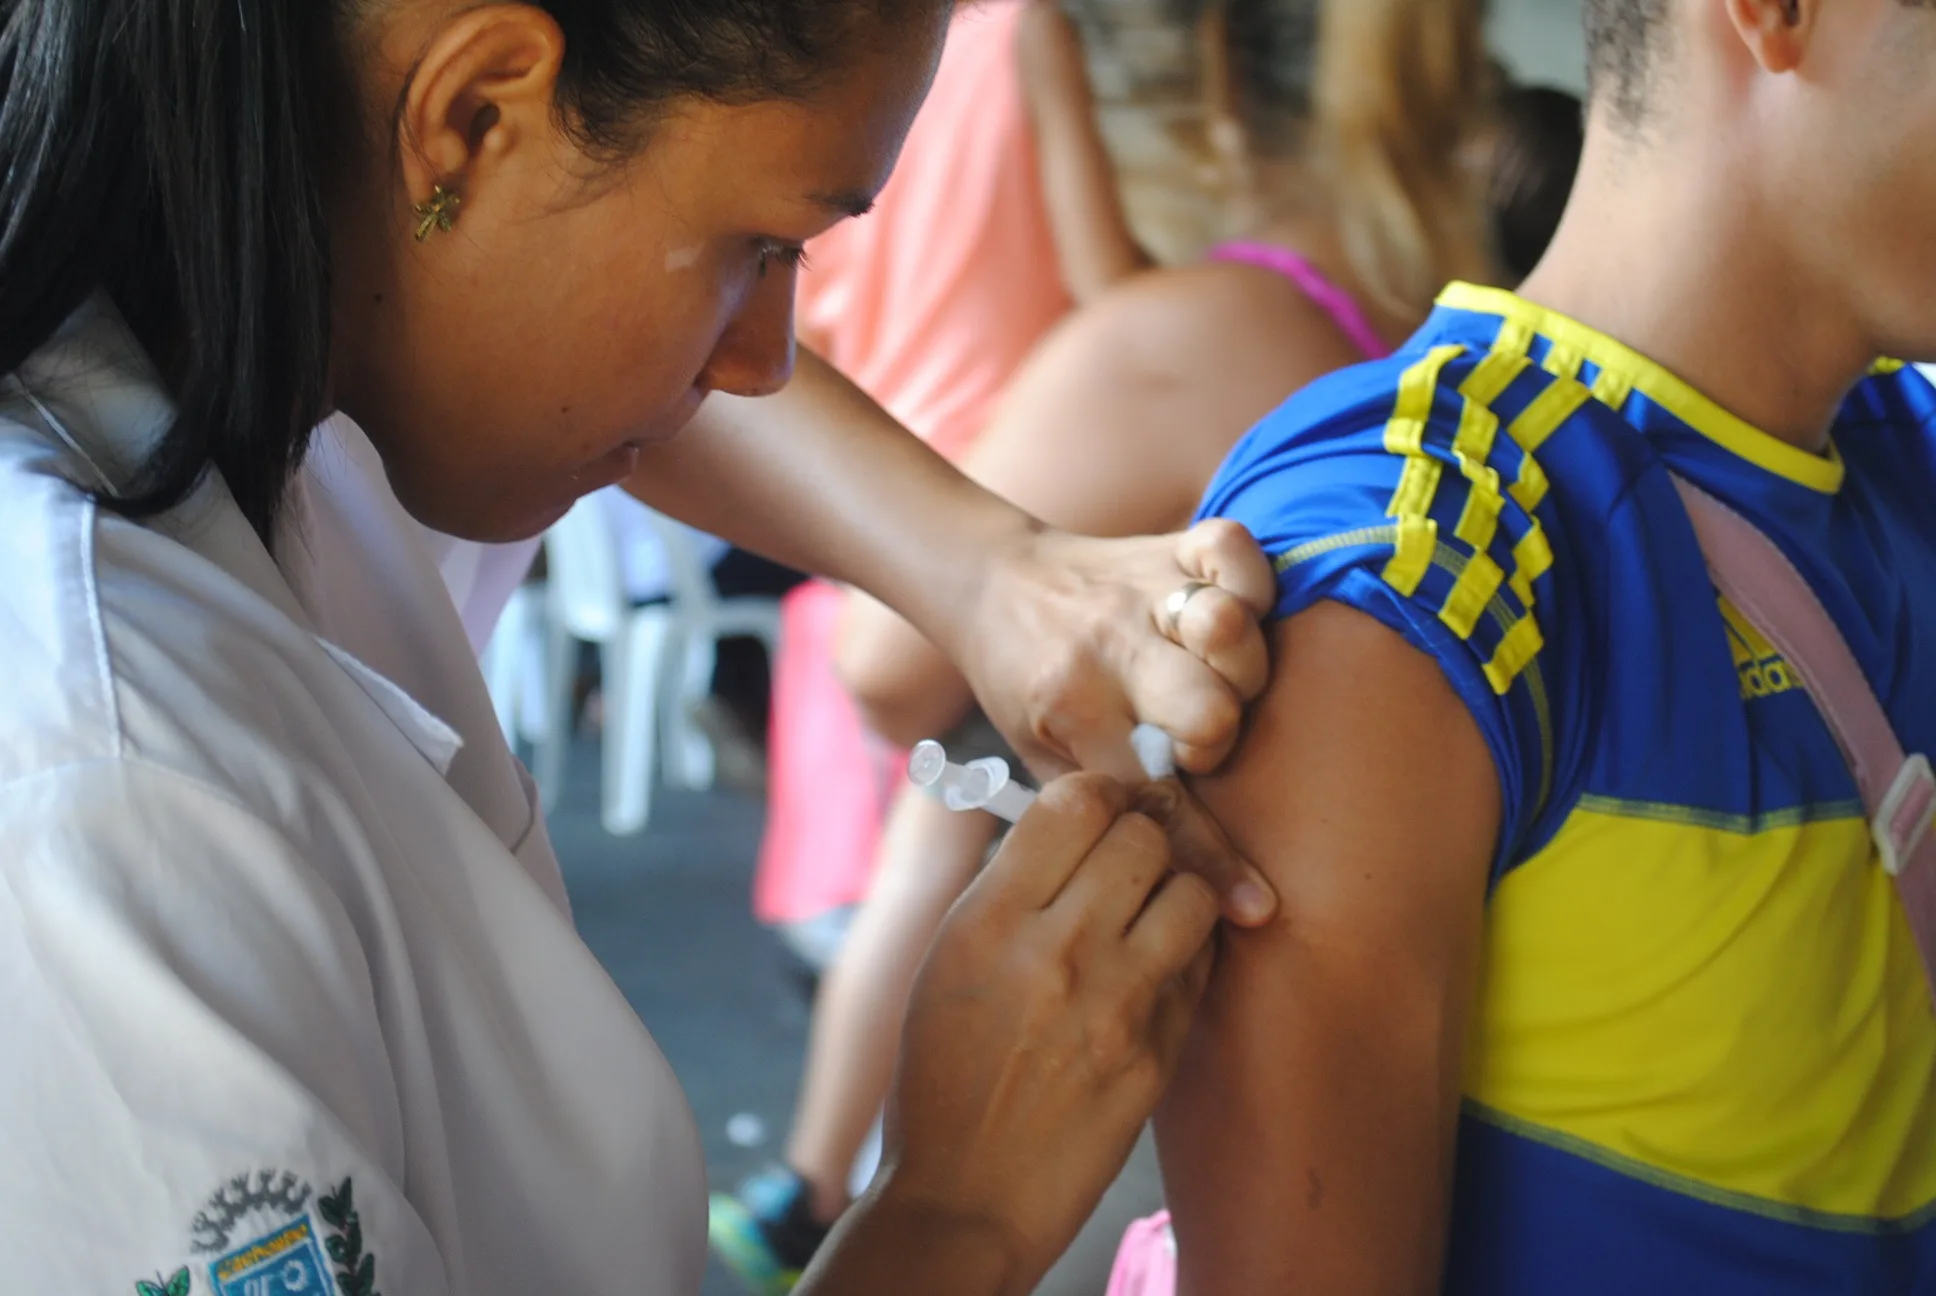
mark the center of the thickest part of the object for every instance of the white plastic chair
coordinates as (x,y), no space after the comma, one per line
(656,660)
(701,619)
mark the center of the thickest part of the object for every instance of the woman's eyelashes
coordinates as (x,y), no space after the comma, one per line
(777,251)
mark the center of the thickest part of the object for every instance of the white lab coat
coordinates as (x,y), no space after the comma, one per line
(288,990)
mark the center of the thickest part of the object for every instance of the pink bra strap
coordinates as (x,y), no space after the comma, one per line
(1327,296)
(1898,791)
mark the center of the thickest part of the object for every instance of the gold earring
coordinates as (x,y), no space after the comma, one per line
(438,213)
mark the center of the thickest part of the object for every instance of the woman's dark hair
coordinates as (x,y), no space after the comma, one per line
(1538,151)
(175,154)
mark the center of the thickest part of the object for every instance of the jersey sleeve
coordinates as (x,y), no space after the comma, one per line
(196,1092)
(1392,489)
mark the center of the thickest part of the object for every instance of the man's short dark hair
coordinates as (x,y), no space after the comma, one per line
(1621,36)
(1623,40)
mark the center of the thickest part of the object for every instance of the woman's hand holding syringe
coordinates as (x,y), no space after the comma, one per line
(1093,911)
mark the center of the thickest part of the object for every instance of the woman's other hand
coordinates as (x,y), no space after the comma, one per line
(1044,1027)
(1071,643)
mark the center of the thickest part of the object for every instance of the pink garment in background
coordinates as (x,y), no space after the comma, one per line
(1146,1263)
(1325,295)
(828,778)
(929,303)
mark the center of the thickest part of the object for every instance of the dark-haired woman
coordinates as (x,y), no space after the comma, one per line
(293,1000)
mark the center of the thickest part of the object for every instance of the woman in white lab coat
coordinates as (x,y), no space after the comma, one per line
(292,999)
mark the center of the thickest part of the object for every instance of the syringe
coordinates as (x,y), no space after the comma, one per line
(987,784)
(982,784)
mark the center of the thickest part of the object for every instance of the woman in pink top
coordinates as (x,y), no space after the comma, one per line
(931,301)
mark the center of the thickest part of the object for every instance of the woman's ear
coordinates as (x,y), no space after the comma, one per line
(482,93)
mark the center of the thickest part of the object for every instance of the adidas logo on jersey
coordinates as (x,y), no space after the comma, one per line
(1762,670)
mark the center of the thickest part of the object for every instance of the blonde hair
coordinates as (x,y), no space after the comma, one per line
(1380,100)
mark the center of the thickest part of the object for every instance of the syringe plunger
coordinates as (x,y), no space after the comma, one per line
(979,785)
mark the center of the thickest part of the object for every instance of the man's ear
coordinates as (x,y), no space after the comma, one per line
(483,88)
(1776,33)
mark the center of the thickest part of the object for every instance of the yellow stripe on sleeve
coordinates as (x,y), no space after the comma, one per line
(1612,388)
(1563,362)
(1405,434)
(1478,429)
(1532,485)
(1520,645)
(1418,484)
(1552,407)
(1535,424)
(1470,596)
(1479,519)
(1532,559)
(1491,376)
(1418,541)
(1515,337)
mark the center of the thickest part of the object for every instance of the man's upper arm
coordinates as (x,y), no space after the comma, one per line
(1308,1139)
(1409,750)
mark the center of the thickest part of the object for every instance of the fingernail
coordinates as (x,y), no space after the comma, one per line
(1160,801)
(1251,903)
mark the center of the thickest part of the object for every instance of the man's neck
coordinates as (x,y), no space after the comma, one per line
(1662,252)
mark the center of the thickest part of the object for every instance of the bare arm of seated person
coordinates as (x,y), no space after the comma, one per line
(1113,427)
(1093,240)
(1307,1142)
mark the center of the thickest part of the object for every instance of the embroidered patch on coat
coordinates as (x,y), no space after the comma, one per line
(179,1285)
(356,1268)
(260,1238)
(247,1201)
(287,1262)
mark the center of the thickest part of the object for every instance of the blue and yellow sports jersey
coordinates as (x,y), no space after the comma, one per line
(1704,1054)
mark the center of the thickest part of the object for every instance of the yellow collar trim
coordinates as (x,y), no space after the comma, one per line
(1734,434)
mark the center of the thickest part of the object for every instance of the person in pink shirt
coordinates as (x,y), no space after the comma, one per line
(930,301)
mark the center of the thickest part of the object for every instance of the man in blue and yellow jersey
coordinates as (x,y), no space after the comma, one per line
(1587,978)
